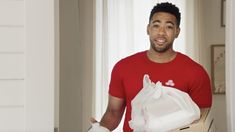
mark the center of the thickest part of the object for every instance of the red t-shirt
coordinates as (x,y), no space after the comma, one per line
(182,73)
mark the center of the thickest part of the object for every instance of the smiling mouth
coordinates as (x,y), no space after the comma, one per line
(160,41)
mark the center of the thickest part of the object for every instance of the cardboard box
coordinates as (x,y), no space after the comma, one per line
(204,124)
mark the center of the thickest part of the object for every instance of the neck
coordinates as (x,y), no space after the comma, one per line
(159,57)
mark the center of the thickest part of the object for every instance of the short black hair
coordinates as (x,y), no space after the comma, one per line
(168,8)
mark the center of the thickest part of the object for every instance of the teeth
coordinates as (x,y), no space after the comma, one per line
(161,40)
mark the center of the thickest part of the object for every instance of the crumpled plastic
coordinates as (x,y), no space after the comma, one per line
(157,108)
(95,127)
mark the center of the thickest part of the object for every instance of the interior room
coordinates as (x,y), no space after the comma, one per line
(56,57)
(207,27)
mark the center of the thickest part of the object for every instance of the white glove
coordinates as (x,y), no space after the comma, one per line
(95,127)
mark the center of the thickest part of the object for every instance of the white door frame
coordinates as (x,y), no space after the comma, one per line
(230,64)
(40,58)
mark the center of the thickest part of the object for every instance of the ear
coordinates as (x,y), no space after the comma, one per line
(148,28)
(177,32)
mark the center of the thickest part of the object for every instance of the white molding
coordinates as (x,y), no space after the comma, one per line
(230,64)
(57,65)
(40,58)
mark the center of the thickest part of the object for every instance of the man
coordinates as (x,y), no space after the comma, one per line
(161,63)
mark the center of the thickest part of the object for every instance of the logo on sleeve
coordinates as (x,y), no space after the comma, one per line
(170,83)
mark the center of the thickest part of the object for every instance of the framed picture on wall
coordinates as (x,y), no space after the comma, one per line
(218,68)
(223,12)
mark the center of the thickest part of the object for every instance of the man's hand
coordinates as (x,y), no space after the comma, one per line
(112,116)
(95,126)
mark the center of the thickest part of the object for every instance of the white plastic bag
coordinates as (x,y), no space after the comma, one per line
(158,108)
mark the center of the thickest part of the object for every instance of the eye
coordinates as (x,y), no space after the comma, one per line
(155,25)
(169,27)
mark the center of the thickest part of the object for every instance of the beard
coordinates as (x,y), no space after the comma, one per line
(161,49)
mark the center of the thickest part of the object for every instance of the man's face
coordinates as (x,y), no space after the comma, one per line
(162,31)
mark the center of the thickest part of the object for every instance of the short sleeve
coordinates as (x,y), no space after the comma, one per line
(200,88)
(116,87)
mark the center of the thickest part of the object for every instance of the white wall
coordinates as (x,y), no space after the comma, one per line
(212,33)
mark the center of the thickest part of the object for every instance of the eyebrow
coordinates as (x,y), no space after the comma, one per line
(166,22)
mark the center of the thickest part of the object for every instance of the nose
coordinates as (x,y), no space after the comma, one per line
(161,31)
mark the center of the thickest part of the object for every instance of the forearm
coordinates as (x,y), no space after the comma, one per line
(111,119)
